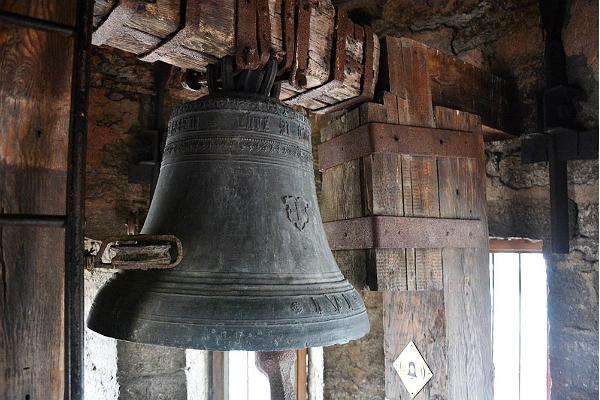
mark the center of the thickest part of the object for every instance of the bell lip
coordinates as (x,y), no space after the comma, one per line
(262,338)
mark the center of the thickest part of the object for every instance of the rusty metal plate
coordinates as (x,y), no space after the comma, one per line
(253,34)
(368,78)
(400,139)
(385,232)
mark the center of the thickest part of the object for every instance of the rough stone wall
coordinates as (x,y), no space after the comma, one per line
(354,371)
(121,106)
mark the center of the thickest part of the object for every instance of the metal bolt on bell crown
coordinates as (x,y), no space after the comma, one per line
(236,186)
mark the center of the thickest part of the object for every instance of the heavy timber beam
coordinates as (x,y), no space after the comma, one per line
(421,77)
(326,61)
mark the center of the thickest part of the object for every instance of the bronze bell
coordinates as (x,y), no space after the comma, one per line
(236,186)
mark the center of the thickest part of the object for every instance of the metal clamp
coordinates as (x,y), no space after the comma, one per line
(253,34)
(139,252)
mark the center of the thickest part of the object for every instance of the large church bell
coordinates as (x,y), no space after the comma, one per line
(236,186)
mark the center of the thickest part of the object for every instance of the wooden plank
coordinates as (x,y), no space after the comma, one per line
(407,76)
(448,118)
(387,269)
(372,112)
(424,184)
(429,271)
(382,184)
(137,26)
(466,275)
(389,232)
(422,76)
(376,138)
(515,246)
(468,323)
(416,316)
(411,269)
(341,192)
(390,102)
(462,86)
(301,379)
(199,41)
(102,9)
(340,123)
(35,71)
(50,10)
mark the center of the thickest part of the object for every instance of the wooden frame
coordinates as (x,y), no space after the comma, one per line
(515,245)
(301,379)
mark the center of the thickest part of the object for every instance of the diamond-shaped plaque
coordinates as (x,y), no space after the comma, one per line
(413,370)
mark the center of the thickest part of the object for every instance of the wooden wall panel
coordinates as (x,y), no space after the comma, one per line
(466,273)
(416,316)
(61,11)
(439,298)
(35,71)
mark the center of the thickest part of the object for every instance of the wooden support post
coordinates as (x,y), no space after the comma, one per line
(435,291)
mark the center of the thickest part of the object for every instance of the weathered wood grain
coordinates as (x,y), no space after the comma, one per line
(35,70)
(101,10)
(341,196)
(416,316)
(138,26)
(341,193)
(437,79)
(382,184)
(348,70)
(387,269)
(353,265)
(468,323)
(466,274)
(207,35)
(405,73)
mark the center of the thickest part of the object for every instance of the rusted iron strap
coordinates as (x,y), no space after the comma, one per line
(139,252)
(343,29)
(401,139)
(368,78)
(289,35)
(385,232)
(253,34)
(300,63)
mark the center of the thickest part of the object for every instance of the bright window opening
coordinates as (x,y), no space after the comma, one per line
(519,325)
(246,381)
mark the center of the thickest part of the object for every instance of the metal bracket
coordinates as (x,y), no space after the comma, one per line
(143,252)
(253,34)
(368,78)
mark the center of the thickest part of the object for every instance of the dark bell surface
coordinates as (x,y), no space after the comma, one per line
(237,188)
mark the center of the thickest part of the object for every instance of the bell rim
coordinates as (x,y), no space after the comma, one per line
(263,337)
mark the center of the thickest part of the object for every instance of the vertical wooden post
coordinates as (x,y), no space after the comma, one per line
(436,295)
